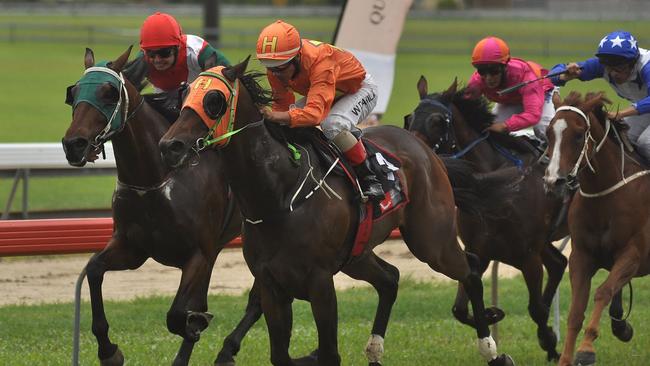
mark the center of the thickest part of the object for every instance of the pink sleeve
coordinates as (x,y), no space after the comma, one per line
(532,96)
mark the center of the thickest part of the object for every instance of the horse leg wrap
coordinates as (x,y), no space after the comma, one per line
(196,322)
(487,347)
(375,348)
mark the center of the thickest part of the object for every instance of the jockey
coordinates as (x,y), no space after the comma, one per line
(173,57)
(338,93)
(524,112)
(625,66)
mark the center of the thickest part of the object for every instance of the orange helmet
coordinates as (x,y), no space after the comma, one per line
(491,50)
(278,44)
(160,30)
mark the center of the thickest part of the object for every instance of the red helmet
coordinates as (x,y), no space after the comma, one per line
(278,44)
(160,30)
(491,50)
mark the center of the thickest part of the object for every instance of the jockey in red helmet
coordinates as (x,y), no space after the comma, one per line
(173,57)
(338,93)
(524,112)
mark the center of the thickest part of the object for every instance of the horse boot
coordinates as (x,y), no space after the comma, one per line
(355,153)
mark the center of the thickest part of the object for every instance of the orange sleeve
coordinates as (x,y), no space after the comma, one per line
(282,96)
(320,97)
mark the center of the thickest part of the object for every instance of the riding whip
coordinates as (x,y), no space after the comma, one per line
(522,84)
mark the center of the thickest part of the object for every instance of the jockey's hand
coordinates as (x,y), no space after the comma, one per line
(472,93)
(614,116)
(281,118)
(498,127)
(573,71)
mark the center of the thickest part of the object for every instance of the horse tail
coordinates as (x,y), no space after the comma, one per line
(479,193)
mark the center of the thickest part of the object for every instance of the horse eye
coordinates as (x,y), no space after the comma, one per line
(108,94)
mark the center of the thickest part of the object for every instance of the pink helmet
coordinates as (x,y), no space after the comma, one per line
(491,50)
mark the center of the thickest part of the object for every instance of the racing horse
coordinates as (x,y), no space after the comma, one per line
(294,247)
(157,213)
(520,237)
(609,219)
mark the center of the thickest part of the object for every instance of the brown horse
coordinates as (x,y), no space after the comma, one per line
(157,213)
(609,219)
(521,235)
(294,250)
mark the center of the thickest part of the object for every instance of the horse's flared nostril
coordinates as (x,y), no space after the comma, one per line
(173,151)
(75,150)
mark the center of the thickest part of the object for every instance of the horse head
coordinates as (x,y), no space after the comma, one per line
(100,101)
(212,113)
(431,121)
(574,136)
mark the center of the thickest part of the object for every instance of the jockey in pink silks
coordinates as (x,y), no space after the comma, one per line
(523,112)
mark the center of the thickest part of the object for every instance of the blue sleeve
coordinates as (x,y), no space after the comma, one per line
(643,105)
(591,69)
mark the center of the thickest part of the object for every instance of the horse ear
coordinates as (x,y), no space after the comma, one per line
(407,122)
(557,100)
(89,58)
(423,87)
(118,64)
(210,62)
(233,72)
(452,88)
(591,103)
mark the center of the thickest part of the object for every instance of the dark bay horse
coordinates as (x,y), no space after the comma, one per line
(293,251)
(157,213)
(519,236)
(609,219)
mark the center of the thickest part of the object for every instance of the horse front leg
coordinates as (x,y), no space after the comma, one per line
(278,314)
(115,257)
(622,272)
(384,277)
(555,263)
(188,316)
(460,308)
(232,343)
(621,328)
(322,298)
(538,310)
(581,269)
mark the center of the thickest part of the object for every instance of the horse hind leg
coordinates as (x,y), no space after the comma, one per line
(116,256)
(384,277)
(188,315)
(620,327)
(232,343)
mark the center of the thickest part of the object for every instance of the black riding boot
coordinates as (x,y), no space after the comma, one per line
(370,185)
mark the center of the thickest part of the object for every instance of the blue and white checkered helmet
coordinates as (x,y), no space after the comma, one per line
(619,43)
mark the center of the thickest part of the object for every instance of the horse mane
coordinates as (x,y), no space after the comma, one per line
(259,95)
(478,116)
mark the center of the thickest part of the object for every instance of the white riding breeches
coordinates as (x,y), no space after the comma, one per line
(349,110)
(503,112)
(639,133)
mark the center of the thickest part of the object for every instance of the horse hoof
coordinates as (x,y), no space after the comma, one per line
(585,359)
(374,364)
(310,359)
(117,359)
(547,341)
(622,330)
(503,360)
(494,315)
(224,360)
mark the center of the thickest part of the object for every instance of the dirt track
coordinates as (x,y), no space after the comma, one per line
(51,279)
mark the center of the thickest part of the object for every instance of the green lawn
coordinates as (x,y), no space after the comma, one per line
(421,332)
(35,75)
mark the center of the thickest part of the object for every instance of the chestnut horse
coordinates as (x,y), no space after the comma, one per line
(521,235)
(609,220)
(293,247)
(157,213)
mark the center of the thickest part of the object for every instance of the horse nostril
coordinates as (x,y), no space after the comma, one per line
(172,151)
(75,148)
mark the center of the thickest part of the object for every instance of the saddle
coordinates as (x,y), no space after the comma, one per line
(384,164)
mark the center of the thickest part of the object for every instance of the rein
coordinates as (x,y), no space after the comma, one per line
(583,155)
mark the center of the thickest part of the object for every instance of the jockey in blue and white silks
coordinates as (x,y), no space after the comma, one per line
(625,66)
